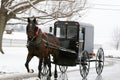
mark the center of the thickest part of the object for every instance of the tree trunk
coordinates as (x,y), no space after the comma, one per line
(3,21)
(117,46)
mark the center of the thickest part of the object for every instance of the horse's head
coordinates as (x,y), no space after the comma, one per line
(31,28)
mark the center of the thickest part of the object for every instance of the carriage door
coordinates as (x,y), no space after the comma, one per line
(72,36)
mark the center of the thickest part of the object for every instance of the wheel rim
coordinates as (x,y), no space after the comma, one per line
(63,69)
(99,61)
(84,64)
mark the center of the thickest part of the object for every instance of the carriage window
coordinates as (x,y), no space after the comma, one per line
(61,32)
(72,32)
(57,32)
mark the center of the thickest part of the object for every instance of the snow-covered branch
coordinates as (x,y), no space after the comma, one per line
(31,3)
(50,9)
(59,8)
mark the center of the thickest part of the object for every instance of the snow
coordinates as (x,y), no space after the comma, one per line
(112,53)
(15,35)
(14,58)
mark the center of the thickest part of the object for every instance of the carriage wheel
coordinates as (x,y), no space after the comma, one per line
(84,64)
(99,61)
(63,69)
(45,69)
(63,76)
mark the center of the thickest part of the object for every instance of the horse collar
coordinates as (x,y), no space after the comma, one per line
(38,31)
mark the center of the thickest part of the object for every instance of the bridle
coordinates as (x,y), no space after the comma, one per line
(38,34)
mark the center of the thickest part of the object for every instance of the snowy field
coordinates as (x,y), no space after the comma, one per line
(15,56)
(14,59)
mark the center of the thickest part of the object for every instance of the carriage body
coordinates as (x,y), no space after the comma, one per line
(74,38)
(76,47)
(88,32)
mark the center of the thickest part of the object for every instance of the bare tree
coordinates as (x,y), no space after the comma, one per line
(116,37)
(53,9)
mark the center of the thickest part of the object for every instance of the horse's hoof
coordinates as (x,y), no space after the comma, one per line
(31,71)
(55,76)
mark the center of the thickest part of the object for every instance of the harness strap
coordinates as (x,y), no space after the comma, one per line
(44,35)
(38,31)
(46,38)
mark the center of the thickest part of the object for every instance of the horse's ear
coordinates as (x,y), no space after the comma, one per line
(28,20)
(35,21)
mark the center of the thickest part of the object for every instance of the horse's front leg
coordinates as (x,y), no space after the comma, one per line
(55,72)
(40,67)
(49,65)
(29,57)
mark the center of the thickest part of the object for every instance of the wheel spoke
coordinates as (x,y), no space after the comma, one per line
(84,64)
(100,61)
(63,69)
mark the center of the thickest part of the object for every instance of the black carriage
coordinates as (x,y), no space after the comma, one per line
(71,44)
(76,47)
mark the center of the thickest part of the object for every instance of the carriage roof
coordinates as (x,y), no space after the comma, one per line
(66,23)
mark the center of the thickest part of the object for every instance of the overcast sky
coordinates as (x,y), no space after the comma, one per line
(105,16)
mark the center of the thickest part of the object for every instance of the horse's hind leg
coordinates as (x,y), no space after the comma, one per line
(29,57)
(55,73)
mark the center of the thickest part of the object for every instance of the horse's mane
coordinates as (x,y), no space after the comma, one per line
(51,35)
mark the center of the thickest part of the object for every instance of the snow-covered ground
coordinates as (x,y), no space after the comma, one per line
(15,35)
(14,58)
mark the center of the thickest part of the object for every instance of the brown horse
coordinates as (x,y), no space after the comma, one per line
(37,47)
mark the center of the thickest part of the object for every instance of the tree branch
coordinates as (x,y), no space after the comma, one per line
(24,5)
(36,8)
(8,3)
